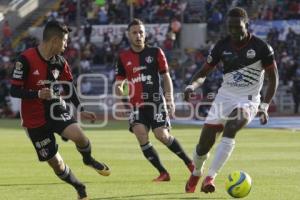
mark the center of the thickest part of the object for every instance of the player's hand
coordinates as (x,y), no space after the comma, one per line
(88,115)
(188,92)
(263,113)
(170,107)
(45,93)
(122,111)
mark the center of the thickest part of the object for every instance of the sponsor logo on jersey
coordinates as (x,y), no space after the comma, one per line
(128,63)
(209,59)
(18,71)
(136,69)
(149,59)
(142,78)
(251,53)
(18,66)
(237,76)
(36,72)
(227,52)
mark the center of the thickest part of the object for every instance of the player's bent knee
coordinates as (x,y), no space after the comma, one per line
(57,163)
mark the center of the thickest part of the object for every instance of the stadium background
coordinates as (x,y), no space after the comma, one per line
(185,29)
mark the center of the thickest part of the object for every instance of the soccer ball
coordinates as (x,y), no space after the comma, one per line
(238,184)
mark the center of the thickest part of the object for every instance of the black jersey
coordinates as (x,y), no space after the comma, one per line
(243,66)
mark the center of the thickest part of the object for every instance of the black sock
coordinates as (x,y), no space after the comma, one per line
(152,156)
(85,152)
(176,148)
(70,178)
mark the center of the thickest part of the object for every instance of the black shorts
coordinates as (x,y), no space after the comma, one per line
(149,116)
(43,138)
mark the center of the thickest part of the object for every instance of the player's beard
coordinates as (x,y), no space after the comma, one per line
(138,44)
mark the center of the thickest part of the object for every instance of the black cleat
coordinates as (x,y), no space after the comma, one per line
(81,192)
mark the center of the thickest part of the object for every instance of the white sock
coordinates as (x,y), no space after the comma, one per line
(223,152)
(199,162)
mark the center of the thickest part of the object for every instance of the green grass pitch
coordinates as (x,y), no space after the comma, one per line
(270,156)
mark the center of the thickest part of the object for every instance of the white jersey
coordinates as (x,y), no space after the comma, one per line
(243,74)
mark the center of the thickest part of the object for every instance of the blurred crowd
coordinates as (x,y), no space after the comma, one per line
(83,55)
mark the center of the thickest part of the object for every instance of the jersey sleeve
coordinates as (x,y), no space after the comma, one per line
(66,72)
(267,56)
(120,72)
(162,62)
(20,71)
(214,56)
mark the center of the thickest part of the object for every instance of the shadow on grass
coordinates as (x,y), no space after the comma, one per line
(157,196)
(32,184)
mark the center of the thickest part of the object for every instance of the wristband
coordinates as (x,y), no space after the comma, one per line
(264,107)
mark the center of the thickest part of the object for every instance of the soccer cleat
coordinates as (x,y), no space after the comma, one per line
(191,184)
(81,192)
(164,176)
(100,167)
(191,167)
(208,185)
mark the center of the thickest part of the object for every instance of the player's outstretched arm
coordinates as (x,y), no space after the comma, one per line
(197,80)
(273,79)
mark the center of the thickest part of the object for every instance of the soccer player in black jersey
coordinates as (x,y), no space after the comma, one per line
(43,110)
(143,66)
(246,59)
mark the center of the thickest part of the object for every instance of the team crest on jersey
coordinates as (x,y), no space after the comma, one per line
(55,73)
(149,59)
(251,53)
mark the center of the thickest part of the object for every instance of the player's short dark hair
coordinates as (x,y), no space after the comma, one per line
(238,12)
(55,28)
(134,22)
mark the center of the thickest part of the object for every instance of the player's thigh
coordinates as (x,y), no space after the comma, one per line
(44,141)
(141,132)
(75,133)
(237,119)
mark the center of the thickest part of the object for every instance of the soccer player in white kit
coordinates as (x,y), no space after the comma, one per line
(246,60)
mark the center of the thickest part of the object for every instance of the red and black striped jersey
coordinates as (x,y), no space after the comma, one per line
(142,70)
(32,72)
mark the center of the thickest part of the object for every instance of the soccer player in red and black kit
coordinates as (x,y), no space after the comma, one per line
(43,110)
(142,66)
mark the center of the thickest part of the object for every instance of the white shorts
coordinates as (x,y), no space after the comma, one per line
(222,106)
